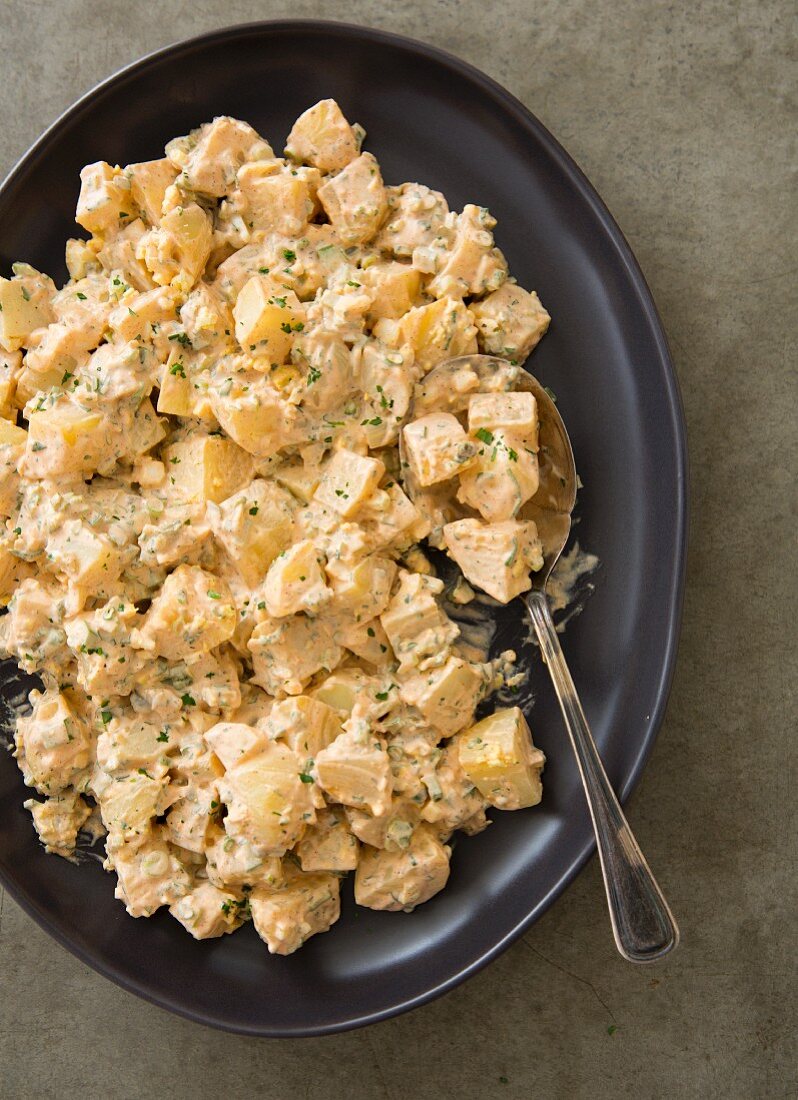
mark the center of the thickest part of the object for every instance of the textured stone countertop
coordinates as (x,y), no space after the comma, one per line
(681,115)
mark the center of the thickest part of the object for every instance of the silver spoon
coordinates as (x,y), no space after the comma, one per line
(642,923)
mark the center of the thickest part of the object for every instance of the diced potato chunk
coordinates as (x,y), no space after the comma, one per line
(414,621)
(175,395)
(329,845)
(206,467)
(66,439)
(254,526)
(208,912)
(496,557)
(348,481)
(140,314)
(437,448)
(287,916)
(266,317)
(441,330)
(279,201)
(193,613)
(321,136)
(253,413)
(295,581)
(499,758)
(149,181)
(472,265)
(355,199)
(267,802)
(510,322)
(394,288)
(84,556)
(363,592)
(301,480)
(503,477)
(287,652)
(368,641)
(446,696)
(307,725)
(355,770)
(23,311)
(57,821)
(211,156)
(177,251)
(507,412)
(149,875)
(235,742)
(403,878)
(54,742)
(105,201)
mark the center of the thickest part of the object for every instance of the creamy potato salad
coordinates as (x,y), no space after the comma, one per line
(218,458)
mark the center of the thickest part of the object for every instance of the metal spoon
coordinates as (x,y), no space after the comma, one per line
(642,923)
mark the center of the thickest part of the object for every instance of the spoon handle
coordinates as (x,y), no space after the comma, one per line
(642,923)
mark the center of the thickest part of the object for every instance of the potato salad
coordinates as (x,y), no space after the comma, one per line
(222,460)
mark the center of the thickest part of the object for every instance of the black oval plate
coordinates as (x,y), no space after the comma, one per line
(432,118)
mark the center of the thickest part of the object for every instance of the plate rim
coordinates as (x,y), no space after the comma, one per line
(675,408)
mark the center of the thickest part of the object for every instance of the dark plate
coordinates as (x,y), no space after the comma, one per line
(433,118)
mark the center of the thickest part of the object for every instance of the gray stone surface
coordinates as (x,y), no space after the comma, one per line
(682,116)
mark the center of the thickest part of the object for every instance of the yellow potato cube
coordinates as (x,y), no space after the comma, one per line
(506,412)
(401,879)
(139,315)
(287,652)
(364,592)
(235,742)
(503,477)
(287,916)
(414,621)
(66,439)
(356,771)
(295,581)
(193,613)
(23,310)
(438,331)
(254,525)
(54,741)
(499,758)
(510,322)
(105,202)
(208,912)
(11,435)
(177,251)
(348,481)
(305,724)
(85,557)
(355,200)
(437,448)
(12,571)
(266,318)
(149,181)
(472,265)
(496,557)
(446,696)
(301,480)
(206,467)
(279,201)
(212,155)
(253,413)
(267,802)
(129,805)
(329,845)
(394,287)
(367,641)
(321,136)
(175,395)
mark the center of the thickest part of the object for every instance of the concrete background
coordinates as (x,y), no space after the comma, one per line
(681,114)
